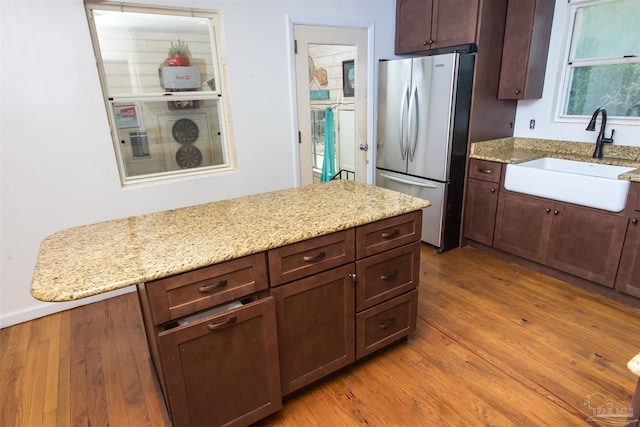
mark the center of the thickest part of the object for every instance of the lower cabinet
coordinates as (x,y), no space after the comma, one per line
(523,226)
(628,280)
(223,370)
(480,211)
(580,241)
(229,340)
(386,323)
(316,326)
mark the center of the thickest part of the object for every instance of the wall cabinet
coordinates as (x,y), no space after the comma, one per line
(525,50)
(432,24)
(229,340)
(583,242)
(482,200)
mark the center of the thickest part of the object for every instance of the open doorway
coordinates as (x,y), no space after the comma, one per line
(331,86)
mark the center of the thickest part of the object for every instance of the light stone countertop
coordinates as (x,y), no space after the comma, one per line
(88,260)
(518,150)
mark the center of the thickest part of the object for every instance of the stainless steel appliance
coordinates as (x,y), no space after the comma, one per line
(423,121)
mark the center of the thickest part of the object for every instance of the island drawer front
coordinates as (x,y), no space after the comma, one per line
(312,256)
(387,234)
(386,323)
(485,170)
(183,294)
(386,275)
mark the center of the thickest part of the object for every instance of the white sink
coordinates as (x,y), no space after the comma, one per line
(582,183)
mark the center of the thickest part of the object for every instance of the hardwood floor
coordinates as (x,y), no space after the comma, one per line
(496,344)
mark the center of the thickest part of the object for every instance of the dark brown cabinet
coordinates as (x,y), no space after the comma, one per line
(316,326)
(229,340)
(523,226)
(431,24)
(212,338)
(583,242)
(223,370)
(586,243)
(482,200)
(525,50)
(628,279)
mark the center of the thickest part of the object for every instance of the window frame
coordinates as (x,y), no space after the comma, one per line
(219,95)
(567,65)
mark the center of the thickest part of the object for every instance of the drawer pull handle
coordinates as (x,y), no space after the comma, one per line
(215,326)
(394,233)
(316,257)
(389,276)
(484,170)
(206,288)
(387,323)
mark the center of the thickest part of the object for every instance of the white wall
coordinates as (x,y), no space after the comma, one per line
(543,110)
(58,169)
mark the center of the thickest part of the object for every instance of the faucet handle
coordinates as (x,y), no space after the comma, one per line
(610,139)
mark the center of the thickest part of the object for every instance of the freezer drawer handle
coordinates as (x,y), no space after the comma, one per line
(405,181)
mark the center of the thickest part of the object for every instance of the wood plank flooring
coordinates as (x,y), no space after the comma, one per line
(496,345)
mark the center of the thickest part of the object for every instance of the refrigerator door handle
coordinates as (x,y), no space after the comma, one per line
(406,181)
(413,122)
(405,95)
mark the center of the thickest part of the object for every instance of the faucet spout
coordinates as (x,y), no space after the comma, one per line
(601,140)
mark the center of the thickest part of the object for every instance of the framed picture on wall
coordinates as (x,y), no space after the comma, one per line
(348,78)
(126,116)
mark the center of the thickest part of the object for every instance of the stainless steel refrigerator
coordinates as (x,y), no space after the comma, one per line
(423,122)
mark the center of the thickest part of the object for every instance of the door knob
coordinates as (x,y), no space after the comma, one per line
(364,147)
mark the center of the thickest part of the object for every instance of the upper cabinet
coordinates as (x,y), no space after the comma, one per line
(431,24)
(526,46)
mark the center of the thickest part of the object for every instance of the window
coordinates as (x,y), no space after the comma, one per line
(603,64)
(163,82)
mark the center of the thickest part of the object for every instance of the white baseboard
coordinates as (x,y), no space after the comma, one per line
(44,309)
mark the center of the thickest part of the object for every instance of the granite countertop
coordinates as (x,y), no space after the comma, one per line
(93,259)
(518,150)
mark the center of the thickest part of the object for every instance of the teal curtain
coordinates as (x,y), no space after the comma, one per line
(329,159)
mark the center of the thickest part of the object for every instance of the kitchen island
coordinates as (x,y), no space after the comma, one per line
(247,300)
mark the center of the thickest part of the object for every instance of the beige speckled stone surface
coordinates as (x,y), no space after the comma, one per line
(634,364)
(517,150)
(93,259)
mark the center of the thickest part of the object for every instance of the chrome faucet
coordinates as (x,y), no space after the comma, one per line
(597,154)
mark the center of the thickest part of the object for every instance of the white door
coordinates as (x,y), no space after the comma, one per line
(322,58)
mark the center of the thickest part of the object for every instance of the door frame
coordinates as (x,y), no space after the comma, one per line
(369,95)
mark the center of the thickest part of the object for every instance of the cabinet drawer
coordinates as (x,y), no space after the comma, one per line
(387,234)
(187,293)
(224,369)
(311,256)
(385,323)
(386,275)
(485,170)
